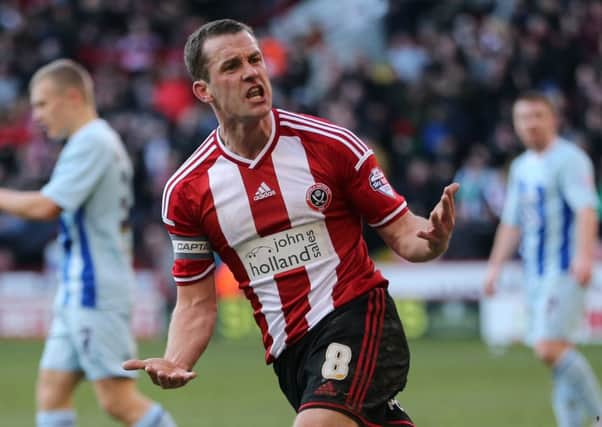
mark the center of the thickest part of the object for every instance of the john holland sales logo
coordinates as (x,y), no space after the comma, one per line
(284,251)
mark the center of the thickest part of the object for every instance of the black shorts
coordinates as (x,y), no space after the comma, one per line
(354,361)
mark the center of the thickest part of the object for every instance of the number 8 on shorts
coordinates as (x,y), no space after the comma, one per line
(336,363)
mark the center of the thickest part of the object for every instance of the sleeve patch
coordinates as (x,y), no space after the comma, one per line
(197,247)
(378,182)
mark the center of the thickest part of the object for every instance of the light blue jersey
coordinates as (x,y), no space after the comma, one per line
(92,183)
(545,191)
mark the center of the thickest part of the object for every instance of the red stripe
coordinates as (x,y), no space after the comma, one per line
(341,408)
(259,319)
(293,288)
(199,152)
(185,268)
(374,355)
(366,378)
(344,225)
(359,369)
(346,410)
(269,213)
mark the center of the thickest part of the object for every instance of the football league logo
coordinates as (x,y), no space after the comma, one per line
(318,196)
(378,182)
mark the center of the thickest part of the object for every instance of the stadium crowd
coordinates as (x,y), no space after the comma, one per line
(427,84)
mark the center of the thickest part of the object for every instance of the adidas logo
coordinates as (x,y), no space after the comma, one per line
(263,192)
(326,389)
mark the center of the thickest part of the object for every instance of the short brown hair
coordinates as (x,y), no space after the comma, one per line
(66,73)
(194,57)
(535,96)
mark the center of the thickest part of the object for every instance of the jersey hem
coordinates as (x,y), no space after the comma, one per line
(398,212)
(184,281)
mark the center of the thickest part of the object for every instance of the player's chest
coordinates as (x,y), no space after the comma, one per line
(279,195)
(539,185)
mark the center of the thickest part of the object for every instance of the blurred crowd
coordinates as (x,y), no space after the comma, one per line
(427,83)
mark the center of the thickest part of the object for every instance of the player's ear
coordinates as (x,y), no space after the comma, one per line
(73,94)
(200,89)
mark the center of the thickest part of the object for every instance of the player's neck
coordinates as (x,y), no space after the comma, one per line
(82,119)
(546,146)
(246,139)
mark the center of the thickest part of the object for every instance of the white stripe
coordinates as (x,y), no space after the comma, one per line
(238,226)
(294,178)
(361,157)
(329,135)
(335,128)
(168,189)
(326,126)
(361,161)
(197,277)
(320,298)
(265,187)
(190,159)
(271,307)
(391,215)
(231,202)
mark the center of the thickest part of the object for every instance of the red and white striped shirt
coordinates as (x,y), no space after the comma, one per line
(287,223)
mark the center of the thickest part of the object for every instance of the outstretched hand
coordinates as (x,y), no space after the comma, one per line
(162,372)
(441,220)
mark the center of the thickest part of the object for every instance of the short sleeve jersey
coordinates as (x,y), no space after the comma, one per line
(545,191)
(92,183)
(288,223)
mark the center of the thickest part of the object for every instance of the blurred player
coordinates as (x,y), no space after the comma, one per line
(280,197)
(90,189)
(551,208)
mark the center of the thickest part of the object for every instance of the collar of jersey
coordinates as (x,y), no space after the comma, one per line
(250,163)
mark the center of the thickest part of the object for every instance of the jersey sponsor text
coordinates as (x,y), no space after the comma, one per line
(284,251)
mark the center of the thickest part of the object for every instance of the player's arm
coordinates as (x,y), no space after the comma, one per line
(578,188)
(28,204)
(504,246)
(418,239)
(192,322)
(587,232)
(190,330)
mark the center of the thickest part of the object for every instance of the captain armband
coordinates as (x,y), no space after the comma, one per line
(196,247)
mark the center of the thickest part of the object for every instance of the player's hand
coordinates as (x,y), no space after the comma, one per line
(441,220)
(490,282)
(581,269)
(162,372)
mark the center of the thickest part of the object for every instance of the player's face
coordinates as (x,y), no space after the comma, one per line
(49,106)
(535,123)
(238,87)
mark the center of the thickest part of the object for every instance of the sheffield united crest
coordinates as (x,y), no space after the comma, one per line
(318,196)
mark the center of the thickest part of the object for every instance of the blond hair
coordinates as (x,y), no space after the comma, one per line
(66,73)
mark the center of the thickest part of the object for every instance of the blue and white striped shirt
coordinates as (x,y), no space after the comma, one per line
(545,192)
(92,183)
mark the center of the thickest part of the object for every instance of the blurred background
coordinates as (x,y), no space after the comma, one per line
(428,84)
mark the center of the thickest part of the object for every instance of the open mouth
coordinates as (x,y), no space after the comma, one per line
(255,91)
